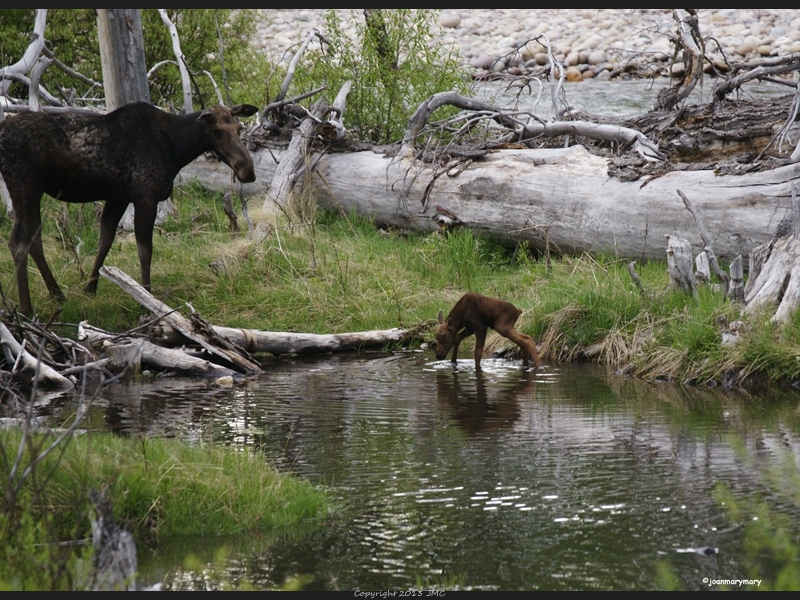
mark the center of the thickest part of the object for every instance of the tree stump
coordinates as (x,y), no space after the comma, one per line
(679,265)
(778,282)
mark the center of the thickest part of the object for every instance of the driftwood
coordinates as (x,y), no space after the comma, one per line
(690,42)
(293,161)
(707,244)
(736,285)
(217,347)
(778,281)
(277,342)
(679,265)
(145,352)
(702,273)
(333,130)
(17,355)
(114,557)
(533,128)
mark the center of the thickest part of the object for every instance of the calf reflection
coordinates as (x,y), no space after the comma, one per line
(466,400)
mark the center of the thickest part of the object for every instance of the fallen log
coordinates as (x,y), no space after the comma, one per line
(229,343)
(18,356)
(218,347)
(515,195)
(151,354)
(278,342)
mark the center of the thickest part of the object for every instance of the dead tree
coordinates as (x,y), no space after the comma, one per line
(778,281)
(122,56)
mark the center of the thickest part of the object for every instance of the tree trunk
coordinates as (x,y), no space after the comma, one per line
(122,56)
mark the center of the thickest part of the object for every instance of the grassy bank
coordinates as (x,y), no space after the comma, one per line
(324,273)
(158,488)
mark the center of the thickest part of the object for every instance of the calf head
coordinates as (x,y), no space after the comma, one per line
(445,337)
(225,135)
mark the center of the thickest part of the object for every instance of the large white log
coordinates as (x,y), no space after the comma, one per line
(514,194)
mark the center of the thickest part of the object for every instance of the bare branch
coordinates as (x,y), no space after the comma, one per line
(689,36)
(176,48)
(648,149)
(69,71)
(31,55)
(712,258)
(293,64)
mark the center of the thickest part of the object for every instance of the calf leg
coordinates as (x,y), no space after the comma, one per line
(112,213)
(480,341)
(524,341)
(459,336)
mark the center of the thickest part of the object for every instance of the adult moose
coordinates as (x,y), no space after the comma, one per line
(130,155)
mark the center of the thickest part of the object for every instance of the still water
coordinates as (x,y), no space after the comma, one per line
(569,477)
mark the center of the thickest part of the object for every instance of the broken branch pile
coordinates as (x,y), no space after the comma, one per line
(172,343)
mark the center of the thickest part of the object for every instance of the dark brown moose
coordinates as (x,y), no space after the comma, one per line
(130,155)
(474,313)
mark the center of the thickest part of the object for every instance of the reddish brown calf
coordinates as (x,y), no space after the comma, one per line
(474,313)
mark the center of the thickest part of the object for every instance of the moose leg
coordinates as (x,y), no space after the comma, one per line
(37,253)
(26,239)
(480,340)
(19,252)
(459,336)
(144,220)
(524,341)
(112,213)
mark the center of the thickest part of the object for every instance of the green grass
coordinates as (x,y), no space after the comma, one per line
(322,272)
(158,488)
(163,487)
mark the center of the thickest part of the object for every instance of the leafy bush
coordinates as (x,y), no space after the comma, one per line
(395,63)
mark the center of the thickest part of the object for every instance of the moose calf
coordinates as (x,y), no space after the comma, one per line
(474,313)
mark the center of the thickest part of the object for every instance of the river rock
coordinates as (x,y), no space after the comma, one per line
(482,36)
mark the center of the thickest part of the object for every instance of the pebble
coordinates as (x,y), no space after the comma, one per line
(599,43)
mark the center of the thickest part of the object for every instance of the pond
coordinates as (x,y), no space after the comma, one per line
(567,477)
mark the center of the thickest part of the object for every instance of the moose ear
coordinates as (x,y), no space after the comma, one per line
(244,110)
(206,114)
(440,317)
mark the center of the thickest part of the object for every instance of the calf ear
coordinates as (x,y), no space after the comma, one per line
(440,317)
(244,110)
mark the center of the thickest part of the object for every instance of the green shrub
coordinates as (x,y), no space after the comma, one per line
(395,63)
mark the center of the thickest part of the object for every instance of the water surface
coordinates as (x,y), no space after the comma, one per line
(569,477)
